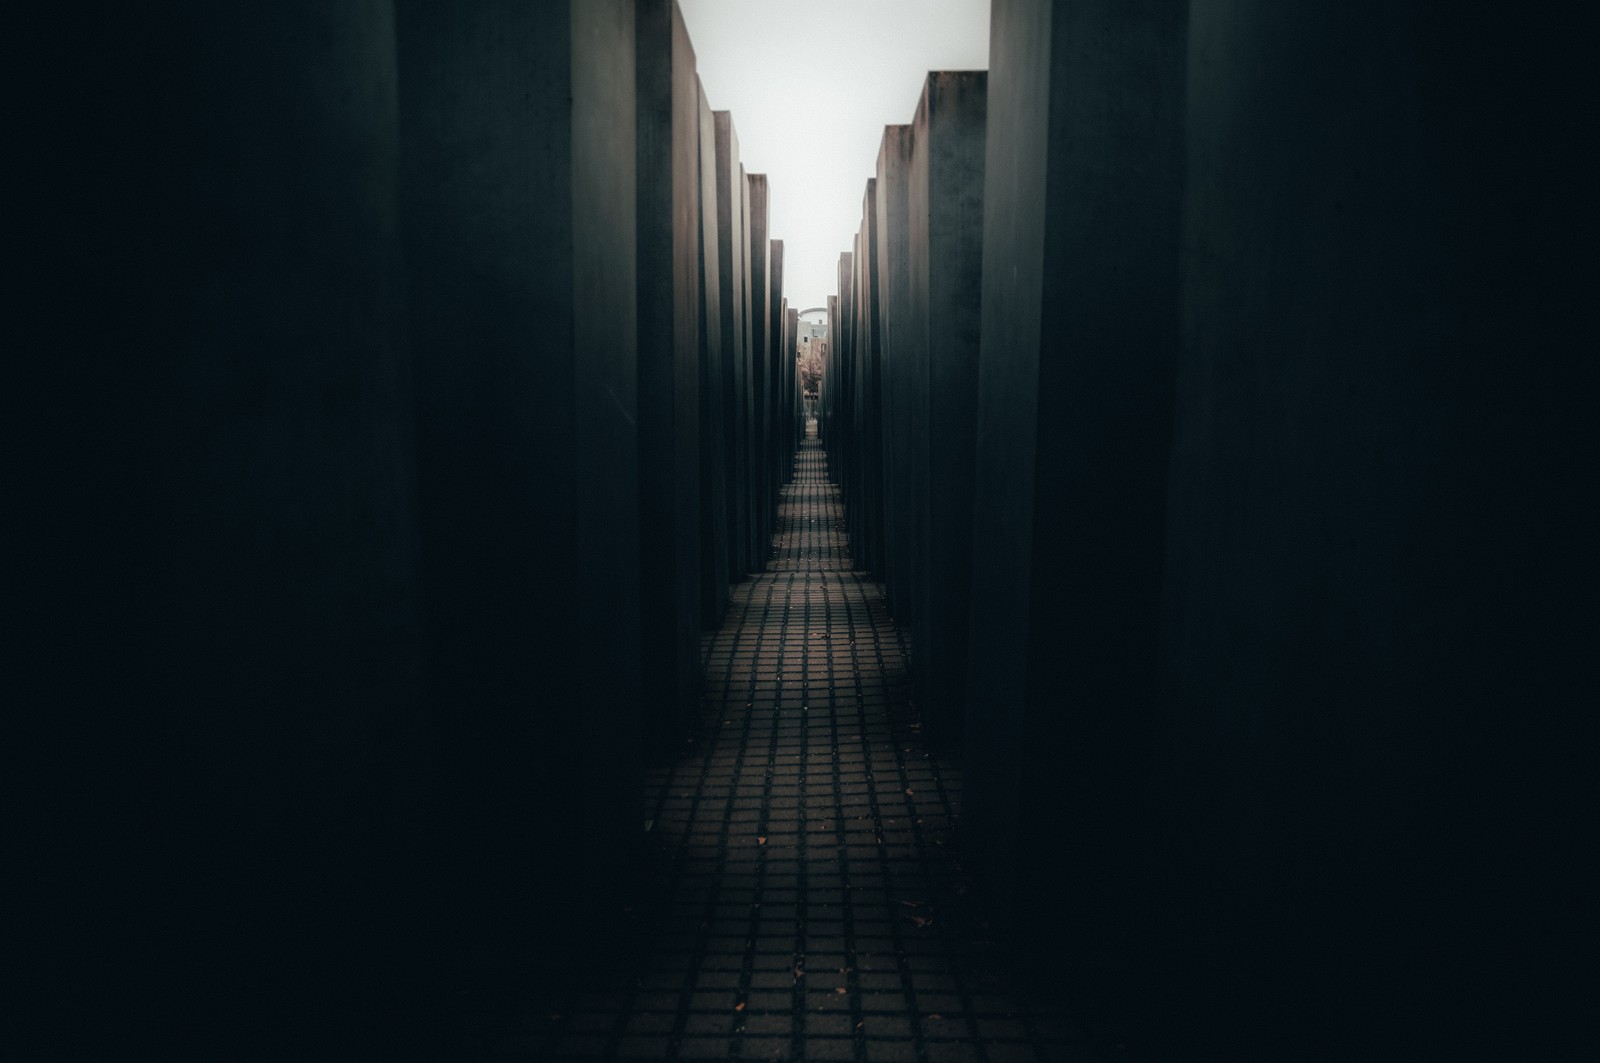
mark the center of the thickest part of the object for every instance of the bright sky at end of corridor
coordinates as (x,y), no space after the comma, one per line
(811,84)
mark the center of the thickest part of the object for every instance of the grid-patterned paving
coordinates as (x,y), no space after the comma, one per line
(806,900)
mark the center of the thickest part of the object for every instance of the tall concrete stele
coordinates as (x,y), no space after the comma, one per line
(400,490)
(1282,523)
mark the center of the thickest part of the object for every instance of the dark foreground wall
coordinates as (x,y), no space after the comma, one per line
(866,532)
(518,211)
(759,326)
(1284,415)
(1079,338)
(715,371)
(944,243)
(1380,604)
(732,294)
(901,354)
(775,391)
(668,433)
(324,555)
(210,595)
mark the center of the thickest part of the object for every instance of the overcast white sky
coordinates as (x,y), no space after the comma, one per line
(811,84)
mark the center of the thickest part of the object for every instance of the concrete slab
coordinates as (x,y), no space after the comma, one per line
(518,198)
(731,296)
(760,369)
(945,185)
(753,318)
(668,219)
(775,381)
(1378,462)
(903,350)
(1079,341)
(714,372)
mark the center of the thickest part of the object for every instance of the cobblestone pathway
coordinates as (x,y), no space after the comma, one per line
(806,902)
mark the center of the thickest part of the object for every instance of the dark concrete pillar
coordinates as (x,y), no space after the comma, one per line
(945,278)
(760,367)
(775,390)
(843,397)
(518,197)
(870,553)
(750,459)
(830,375)
(731,255)
(902,351)
(1079,324)
(795,402)
(210,596)
(669,373)
(1381,568)
(855,496)
(715,371)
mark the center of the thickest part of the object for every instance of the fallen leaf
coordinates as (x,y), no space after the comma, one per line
(761,839)
(739,1006)
(936,1017)
(841,990)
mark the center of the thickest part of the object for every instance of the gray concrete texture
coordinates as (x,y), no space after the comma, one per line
(772,475)
(850,403)
(867,537)
(760,301)
(945,251)
(735,344)
(795,406)
(841,354)
(1079,339)
(715,372)
(932,293)
(825,388)
(504,158)
(901,352)
(668,410)
(912,365)
(748,457)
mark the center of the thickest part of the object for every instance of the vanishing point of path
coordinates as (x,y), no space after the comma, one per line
(805,900)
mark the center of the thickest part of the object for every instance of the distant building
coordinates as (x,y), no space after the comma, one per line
(811,346)
(813,327)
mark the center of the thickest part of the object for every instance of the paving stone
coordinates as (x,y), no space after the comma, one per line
(798,902)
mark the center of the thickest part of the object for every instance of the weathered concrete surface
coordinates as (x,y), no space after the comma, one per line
(760,366)
(518,198)
(850,462)
(749,460)
(902,352)
(668,218)
(715,371)
(827,388)
(945,279)
(1079,340)
(771,474)
(868,541)
(794,405)
(734,301)
(839,425)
